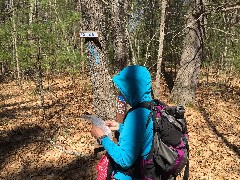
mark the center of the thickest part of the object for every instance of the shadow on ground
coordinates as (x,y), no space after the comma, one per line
(8,96)
(14,140)
(211,125)
(11,141)
(15,112)
(81,168)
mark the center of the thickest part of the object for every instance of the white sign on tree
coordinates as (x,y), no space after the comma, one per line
(88,34)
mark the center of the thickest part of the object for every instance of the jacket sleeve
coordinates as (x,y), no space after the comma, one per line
(130,140)
(120,127)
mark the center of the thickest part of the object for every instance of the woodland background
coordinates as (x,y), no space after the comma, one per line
(49,76)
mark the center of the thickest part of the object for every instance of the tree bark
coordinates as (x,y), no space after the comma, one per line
(160,49)
(39,64)
(134,59)
(81,42)
(96,19)
(119,13)
(40,77)
(14,41)
(187,76)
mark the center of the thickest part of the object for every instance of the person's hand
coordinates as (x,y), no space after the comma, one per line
(113,125)
(96,131)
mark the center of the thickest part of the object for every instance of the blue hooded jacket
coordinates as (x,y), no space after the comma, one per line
(134,82)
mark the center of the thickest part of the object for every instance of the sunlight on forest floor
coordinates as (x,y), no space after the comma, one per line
(61,147)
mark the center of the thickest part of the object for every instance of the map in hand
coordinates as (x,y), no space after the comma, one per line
(98,122)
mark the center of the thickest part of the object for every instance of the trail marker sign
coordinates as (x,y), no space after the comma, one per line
(88,34)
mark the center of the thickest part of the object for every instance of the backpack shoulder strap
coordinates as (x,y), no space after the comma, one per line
(145,104)
(148,105)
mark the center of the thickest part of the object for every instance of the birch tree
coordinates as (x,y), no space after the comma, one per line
(160,49)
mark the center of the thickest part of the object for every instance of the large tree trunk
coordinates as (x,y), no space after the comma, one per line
(187,76)
(160,50)
(94,19)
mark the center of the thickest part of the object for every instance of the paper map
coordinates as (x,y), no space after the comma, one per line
(98,122)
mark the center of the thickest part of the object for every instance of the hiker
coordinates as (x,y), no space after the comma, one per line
(136,134)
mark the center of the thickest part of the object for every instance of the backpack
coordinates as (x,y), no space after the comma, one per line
(169,152)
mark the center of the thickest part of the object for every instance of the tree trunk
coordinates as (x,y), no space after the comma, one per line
(1,72)
(39,76)
(187,76)
(30,20)
(134,59)
(81,49)
(14,41)
(39,65)
(104,99)
(160,50)
(95,19)
(119,15)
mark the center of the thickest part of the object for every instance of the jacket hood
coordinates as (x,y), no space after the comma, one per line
(134,82)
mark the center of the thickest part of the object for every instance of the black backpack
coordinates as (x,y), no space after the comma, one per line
(170,151)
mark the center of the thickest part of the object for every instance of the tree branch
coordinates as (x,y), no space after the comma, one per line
(131,47)
(105,2)
(223,9)
(222,31)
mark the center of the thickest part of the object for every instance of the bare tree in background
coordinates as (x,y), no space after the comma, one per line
(39,63)
(160,50)
(14,40)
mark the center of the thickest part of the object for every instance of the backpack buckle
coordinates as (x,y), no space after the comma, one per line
(180,109)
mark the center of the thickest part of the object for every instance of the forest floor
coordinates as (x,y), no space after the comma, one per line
(61,147)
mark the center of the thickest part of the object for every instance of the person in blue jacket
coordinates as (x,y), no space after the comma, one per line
(136,134)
